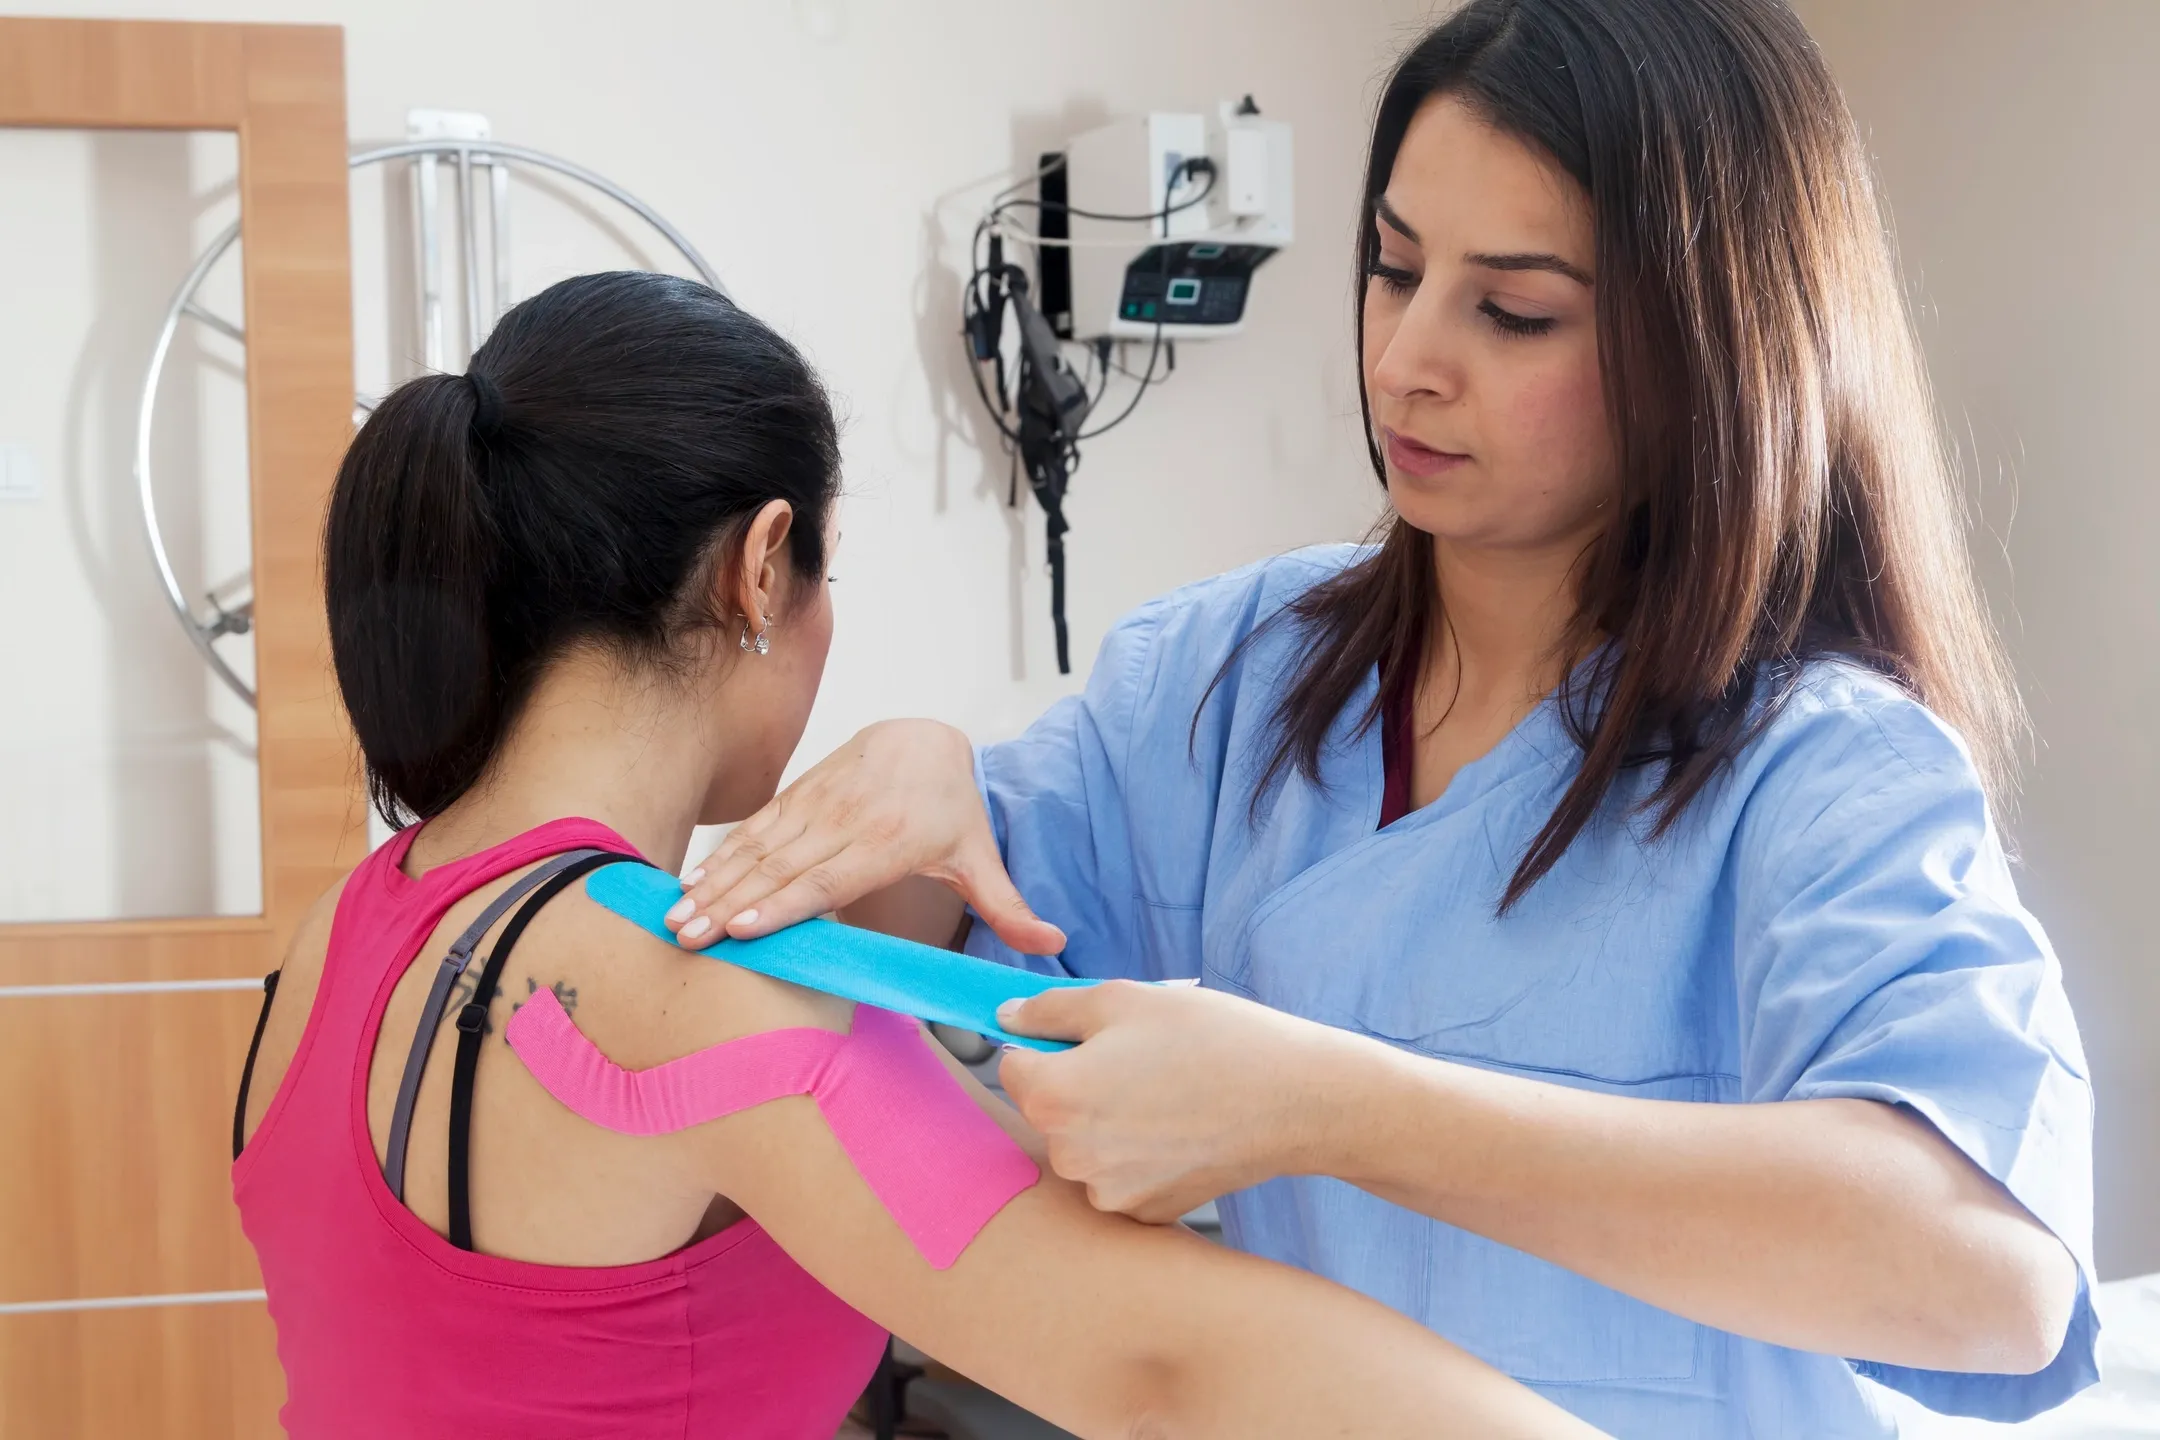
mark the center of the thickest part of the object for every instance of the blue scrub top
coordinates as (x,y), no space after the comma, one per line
(1833,917)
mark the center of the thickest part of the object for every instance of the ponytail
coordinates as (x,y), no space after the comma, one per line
(409,619)
(575,486)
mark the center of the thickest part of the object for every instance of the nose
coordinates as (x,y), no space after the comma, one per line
(1420,359)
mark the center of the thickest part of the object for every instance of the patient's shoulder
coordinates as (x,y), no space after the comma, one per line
(645,1001)
(299,977)
(310,940)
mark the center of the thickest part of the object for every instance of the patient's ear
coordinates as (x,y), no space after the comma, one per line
(753,587)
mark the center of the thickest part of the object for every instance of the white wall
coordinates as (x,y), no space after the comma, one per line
(2015,142)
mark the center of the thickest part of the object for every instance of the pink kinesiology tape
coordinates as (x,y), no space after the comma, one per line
(934,1159)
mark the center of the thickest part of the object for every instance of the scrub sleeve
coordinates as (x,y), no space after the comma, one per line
(1883,955)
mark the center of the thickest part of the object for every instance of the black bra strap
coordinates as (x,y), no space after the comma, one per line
(431,1013)
(247,1071)
(472,1021)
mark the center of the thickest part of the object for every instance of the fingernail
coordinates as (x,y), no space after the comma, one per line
(694,876)
(681,910)
(1007,1049)
(697,927)
(748,917)
(1007,1013)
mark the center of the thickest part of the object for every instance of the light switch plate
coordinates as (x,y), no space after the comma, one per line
(18,472)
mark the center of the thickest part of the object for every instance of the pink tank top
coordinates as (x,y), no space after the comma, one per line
(385,1328)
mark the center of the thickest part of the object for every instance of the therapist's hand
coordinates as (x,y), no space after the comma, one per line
(1174,1095)
(897,800)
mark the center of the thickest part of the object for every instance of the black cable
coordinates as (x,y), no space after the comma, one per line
(1169,368)
(973,306)
(1130,405)
(1147,377)
(1099,364)
(1132,374)
(1041,442)
(995,408)
(1197,165)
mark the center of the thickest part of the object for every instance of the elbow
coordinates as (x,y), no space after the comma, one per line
(2015,1320)
(2037,1320)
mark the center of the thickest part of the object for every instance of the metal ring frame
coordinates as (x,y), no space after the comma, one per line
(202,632)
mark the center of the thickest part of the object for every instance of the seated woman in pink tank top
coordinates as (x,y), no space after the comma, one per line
(515,1167)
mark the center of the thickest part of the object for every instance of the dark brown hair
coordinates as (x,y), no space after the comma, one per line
(581,485)
(1784,489)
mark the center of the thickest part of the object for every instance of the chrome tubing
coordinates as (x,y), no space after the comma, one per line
(469,238)
(499,232)
(427,192)
(495,150)
(183,303)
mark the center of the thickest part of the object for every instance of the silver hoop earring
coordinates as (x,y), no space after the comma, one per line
(756,644)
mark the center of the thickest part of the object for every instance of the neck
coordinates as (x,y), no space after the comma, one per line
(634,757)
(1509,614)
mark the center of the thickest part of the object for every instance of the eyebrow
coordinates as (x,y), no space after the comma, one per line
(1394,221)
(1535,260)
(1520,260)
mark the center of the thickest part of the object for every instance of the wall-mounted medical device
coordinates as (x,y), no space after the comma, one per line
(1190,272)
(1144,231)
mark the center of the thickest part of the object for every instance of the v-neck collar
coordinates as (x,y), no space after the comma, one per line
(1527,746)
(1537,739)
(1353,785)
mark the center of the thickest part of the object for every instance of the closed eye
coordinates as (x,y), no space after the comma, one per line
(1507,322)
(1392,279)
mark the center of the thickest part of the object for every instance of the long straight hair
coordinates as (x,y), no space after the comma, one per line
(1784,490)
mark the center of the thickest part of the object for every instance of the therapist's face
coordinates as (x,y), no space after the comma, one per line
(1481,357)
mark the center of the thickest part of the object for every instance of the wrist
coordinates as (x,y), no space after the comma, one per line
(1405,1127)
(1341,1097)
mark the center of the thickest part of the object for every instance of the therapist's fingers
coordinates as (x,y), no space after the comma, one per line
(1040,1087)
(1070,1012)
(736,858)
(777,824)
(812,876)
(979,875)
(898,799)
(777,869)
(1025,1076)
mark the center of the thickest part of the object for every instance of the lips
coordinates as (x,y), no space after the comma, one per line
(1413,457)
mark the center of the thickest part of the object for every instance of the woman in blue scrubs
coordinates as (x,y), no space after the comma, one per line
(1606,952)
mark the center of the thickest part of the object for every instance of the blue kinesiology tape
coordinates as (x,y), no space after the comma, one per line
(858,965)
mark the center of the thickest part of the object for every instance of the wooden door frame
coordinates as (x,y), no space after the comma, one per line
(281,90)
(115,1136)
